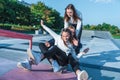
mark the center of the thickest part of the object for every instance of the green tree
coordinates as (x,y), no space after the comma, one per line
(58,21)
(86,27)
(14,12)
(114,30)
(105,27)
(49,15)
(99,27)
(22,14)
(1,6)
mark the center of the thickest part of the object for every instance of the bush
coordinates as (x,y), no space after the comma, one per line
(19,28)
(6,27)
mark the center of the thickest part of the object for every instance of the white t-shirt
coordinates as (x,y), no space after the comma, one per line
(59,42)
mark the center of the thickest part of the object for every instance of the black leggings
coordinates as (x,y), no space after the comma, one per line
(44,49)
(62,58)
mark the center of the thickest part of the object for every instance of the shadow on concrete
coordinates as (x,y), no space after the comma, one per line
(97,64)
(2,45)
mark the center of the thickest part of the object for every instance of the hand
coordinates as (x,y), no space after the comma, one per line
(82,53)
(86,50)
(75,42)
(41,22)
(47,44)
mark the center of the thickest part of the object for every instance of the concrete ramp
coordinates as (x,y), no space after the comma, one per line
(103,34)
(40,72)
(102,62)
(87,33)
(98,34)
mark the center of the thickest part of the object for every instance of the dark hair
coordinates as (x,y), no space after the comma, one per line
(71,27)
(75,15)
(69,32)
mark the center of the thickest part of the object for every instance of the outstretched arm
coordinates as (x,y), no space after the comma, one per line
(51,32)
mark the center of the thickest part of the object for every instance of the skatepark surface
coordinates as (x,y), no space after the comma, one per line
(102,62)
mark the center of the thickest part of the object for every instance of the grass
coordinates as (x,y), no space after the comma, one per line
(116,36)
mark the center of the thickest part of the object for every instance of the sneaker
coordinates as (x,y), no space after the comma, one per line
(86,50)
(34,56)
(83,75)
(25,65)
(55,65)
(82,53)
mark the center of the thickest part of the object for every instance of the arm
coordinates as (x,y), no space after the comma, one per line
(83,52)
(78,27)
(52,33)
(65,24)
(75,42)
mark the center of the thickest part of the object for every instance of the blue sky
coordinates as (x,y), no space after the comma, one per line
(93,11)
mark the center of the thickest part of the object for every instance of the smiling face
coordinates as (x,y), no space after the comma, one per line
(65,36)
(69,12)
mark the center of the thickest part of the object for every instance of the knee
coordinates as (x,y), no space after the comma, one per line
(41,44)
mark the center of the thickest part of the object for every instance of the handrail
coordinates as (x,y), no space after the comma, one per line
(12,34)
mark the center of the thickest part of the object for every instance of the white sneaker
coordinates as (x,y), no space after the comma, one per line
(25,65)
(34,56)
(83,75)
(55,65)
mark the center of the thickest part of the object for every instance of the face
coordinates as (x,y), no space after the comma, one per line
(65,36)
(69,12)
(72,30)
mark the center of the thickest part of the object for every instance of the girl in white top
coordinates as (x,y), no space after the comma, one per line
(61,42)
(64,50)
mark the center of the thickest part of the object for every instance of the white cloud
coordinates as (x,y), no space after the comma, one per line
(101,1)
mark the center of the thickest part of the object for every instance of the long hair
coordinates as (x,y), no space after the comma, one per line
(75,15)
